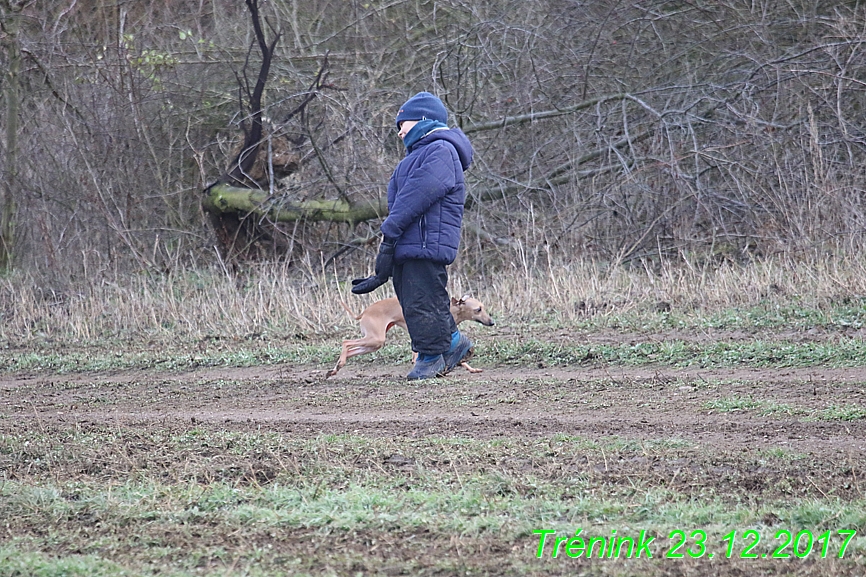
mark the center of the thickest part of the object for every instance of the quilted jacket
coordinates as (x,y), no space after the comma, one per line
(426,194)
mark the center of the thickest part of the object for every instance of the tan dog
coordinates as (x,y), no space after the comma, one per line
(380,316)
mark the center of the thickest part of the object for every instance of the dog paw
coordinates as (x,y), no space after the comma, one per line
(473,370)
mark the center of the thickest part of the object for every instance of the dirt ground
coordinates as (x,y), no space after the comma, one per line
(639,403)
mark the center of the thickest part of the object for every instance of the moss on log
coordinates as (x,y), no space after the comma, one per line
(222,199)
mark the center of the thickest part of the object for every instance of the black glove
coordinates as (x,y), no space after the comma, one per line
(384,269)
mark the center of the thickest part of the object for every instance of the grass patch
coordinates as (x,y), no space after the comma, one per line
(18,562)
(835,315)
(100,359)
(122,503)
(842,413)
(734,404)
(677,353)
(832,413)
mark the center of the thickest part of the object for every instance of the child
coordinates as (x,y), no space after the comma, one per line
(421,235)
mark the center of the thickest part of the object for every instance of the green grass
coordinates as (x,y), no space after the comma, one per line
(834,316)
(842,413)
(98,359)
(175,504)
(732,404)
(19,562)
(832,413)
(844,352)
(476,506)
(678,353)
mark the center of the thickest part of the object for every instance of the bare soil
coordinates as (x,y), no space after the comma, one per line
(642,403)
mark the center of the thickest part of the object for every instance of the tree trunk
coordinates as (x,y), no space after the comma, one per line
(11,15)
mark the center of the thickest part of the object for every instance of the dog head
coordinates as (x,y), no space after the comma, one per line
(470,309)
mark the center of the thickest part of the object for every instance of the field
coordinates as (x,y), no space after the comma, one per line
(718,438)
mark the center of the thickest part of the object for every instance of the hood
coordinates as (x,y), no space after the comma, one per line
(456,137)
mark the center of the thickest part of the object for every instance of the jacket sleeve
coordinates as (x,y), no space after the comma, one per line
(427,183)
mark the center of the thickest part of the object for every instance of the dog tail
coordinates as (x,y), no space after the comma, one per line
(348,310)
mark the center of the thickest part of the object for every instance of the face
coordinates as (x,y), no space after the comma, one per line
(405,127)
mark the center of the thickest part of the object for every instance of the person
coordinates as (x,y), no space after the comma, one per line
(421,234)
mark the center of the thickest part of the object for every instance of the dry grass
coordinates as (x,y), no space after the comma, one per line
(563,286)
(272,301)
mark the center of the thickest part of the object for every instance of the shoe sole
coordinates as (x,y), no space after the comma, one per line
(438,374)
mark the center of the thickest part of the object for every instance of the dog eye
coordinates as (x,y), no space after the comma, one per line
(478,310)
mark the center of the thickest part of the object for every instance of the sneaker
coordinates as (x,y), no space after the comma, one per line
(458,352)
(427,367)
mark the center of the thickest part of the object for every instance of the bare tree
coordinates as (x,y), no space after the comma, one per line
(10,15)
(625,131)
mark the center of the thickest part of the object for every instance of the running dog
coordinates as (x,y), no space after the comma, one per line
(380,316)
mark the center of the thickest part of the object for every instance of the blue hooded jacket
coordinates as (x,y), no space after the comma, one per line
(426,194)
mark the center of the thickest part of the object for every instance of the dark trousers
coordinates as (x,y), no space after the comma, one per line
(421,288)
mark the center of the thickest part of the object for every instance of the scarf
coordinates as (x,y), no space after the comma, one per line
(420,130)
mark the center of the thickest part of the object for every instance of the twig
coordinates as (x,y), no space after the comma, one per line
(814,484)
(36,414)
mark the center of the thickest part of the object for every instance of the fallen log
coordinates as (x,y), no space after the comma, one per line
(223,198)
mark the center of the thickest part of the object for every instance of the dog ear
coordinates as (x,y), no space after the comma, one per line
(464,298)
(455,302)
